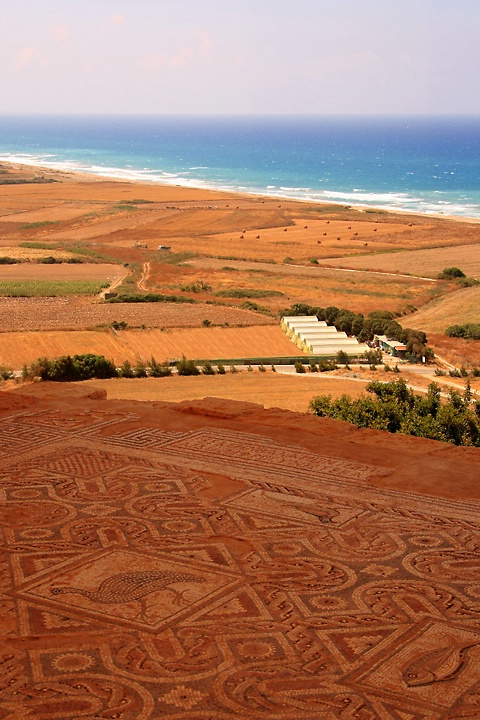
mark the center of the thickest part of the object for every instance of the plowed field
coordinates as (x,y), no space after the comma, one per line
(26,314)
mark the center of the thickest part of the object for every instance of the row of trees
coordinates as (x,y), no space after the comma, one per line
(88,366)
(364,327)
(396,408)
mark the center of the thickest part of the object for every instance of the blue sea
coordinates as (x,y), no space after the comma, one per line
(427,165)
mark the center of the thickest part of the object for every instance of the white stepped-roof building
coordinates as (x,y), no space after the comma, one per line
(317,338)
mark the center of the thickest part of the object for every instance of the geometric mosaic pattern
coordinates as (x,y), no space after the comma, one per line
(218,575)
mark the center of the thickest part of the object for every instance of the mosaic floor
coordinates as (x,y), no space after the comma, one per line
(216,574)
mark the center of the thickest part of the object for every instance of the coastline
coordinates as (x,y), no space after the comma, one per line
(68,174)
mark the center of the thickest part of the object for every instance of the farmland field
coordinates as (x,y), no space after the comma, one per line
(427,263)
(291,392)
(60,272)
(361,292)
(72,313)
(50,288)
(263,253)
(204,343)
(18,348)
(461,306)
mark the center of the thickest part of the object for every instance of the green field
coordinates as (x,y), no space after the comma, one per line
(50,288)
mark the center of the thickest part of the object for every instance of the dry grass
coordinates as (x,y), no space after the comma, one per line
(456,351)
(291,392)
(18,348)
(458,307)
(33,254)
(427,263)
(204,343)
(362,292)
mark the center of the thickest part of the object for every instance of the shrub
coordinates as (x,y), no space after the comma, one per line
(313,366)
(451,273)
(299,366)
(126,370)
(207,368)
(5,373)
(78,367)
(140,370)
(196,287)
(220,369)
(248,293)
(149,298)
(119,325)
(468,331)
(187,367)
(156,369)
(396,408)
(206,322)
(342,358)
(233,369)
(326,365)
(262,368)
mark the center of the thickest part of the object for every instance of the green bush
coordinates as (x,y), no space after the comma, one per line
(326,365)
(140,369)
(248,293)
(78,367)
(5,373)
(299,366)
(343,358)
(451,273)
(157,370)
(396,408)
(196,287)
(468,331)
(149,298)
(126,370)
(207,368)
(187,367)
(220,369)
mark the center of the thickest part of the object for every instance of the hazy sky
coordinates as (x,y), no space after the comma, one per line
(240,56)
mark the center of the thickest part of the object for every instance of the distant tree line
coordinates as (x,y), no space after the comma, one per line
(394,407)
(378,322)
(469,331)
